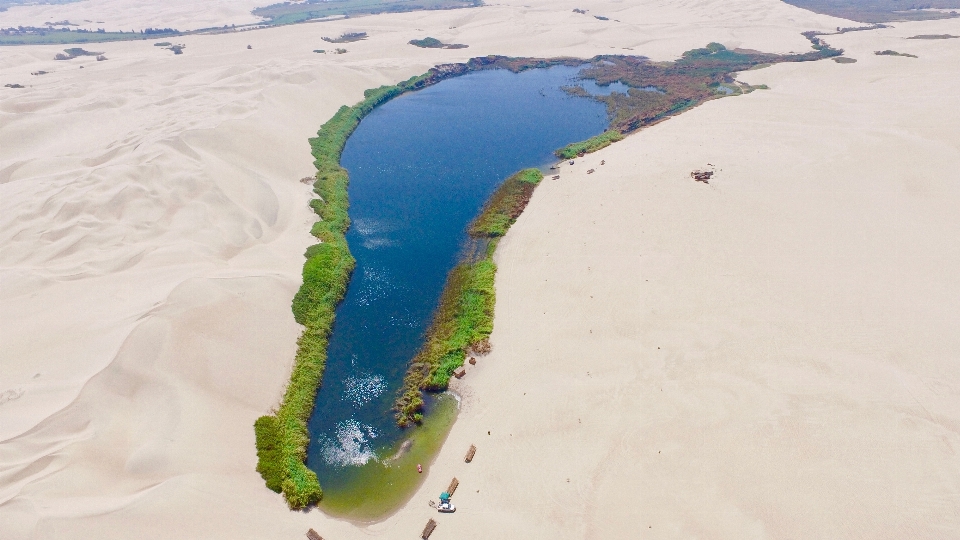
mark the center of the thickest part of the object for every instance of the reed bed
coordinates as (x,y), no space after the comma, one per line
(282,437)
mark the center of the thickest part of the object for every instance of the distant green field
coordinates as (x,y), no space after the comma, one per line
(4,4)
(880,11)
(64,38)
(288,13)
(273,15)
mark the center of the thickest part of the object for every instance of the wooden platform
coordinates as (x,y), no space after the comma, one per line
(470,453)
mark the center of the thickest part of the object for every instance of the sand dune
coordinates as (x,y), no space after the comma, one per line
(771,355)
(114,15)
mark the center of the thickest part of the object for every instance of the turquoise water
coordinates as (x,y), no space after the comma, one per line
(421,166)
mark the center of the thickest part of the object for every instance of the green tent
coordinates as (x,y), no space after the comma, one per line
(444,497)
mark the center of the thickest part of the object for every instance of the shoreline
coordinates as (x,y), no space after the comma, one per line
(282,437)
(465,309)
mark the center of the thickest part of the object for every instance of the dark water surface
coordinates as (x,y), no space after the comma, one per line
(421,166)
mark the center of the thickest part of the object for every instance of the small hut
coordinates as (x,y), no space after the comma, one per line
(470,453)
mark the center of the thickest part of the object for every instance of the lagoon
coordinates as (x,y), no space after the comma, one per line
(421,167)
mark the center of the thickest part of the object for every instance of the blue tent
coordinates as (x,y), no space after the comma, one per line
(444,497)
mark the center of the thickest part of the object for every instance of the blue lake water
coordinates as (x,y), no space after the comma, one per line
(421,166)
(595,89)
(618,87)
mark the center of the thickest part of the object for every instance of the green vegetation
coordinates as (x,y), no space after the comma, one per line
(39,36)
(746,88)
(463,319)
(845,60)
(506,204)
(434,43)
(348,37)
(69,54)
(290,12)
(320,51)
(880,11)
(592,144)
(282,437)
(427,43)
(275,15)
(5,4)
(888,52)
(696,77)
(934,36)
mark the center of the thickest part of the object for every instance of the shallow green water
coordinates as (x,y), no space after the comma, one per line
(387,482)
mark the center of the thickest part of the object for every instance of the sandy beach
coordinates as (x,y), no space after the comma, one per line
(770,355)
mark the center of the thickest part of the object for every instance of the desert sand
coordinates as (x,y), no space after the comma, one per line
(137,15)
(771,355)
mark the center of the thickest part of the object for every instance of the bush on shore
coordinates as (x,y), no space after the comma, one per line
(592,144)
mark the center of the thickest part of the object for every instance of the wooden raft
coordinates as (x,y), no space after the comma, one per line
(470,453)
(453,486)
(312,535)
(428,530)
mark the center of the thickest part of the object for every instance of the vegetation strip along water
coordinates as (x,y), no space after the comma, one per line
(464,318)
(282,437)
(280,14)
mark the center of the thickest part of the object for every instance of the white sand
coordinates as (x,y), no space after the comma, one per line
(772,355)
(134,15)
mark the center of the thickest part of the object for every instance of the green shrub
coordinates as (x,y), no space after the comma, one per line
(282,438)
(427,43)
(506,204)
(592,144)
(268,452)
